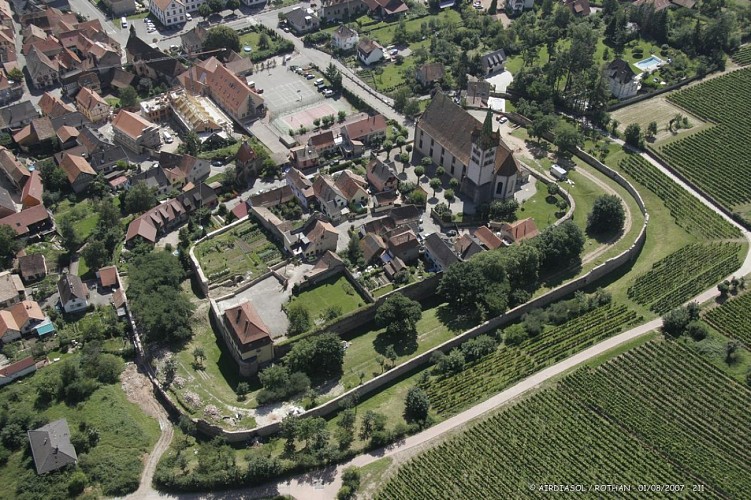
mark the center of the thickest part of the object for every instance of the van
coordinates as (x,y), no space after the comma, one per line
(124,22)
(167,137)
(252,84)
(319,82)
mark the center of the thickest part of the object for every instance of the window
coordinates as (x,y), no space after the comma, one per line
(499,188)
(420,143)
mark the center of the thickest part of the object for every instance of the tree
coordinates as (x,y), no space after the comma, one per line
(170,369)
(204,10)
(399,315)
(391,355)
(9,245)
(493,9)
(191,144)
(724,289)
(542,126)
(435,183)
(559,245)
(15,74)
(503,210)
(199,355)
(217,6)
(652,129)
(387,147)
(411,108)
(674,323)
(633,135)
(371,422)
(95,254)
(242,390)
(449,196)
(567,136)
(299,318)
(320,357)
(553,189)
(697,331)
(416,405)
(139,198)
(419,171)
(404,159)
(607,215)
(68,233)
(221,37)
(128,97)
(334,76)
(453,362)
(354,253)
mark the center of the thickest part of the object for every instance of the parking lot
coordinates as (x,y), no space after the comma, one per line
(285,91)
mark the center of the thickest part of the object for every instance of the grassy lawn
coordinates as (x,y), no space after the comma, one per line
(82,214)
(51,252)
(434,328)
(383,290)
(245,250)
(335,291)
(83,268)
(225,152)
(215,380)
(539,207)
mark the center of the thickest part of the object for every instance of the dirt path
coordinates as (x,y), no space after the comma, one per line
(138,389)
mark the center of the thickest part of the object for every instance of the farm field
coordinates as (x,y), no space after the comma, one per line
(688,212)
(508,364)
(334,292)
(733,319)
(726,101)
(242,251)
(743,56)
(656,414)
(683,274)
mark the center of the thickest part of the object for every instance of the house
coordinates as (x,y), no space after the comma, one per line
(369,51)
(430,73)
(438,253)
(367,131)
(344,38)
(155,179)
(67,136)
(10,90)
(192,40)
(17,115)
(487,238)
(32,267)
(72,81)
(394,266)
(7,205)
(247,337)
(168,12)
(107,277)
(92,105)
(12,290)
(52,106)
(13,170)
(168,215)
(102,155)
(135,133)
(621,79)
(151,62)
(386,9)
(402,243)
(120,303)
(193,169)
(372,246)
(660,5)
(518,231)
(385,200)
(304,156)
(16,370)
(340,10)
(468,150)
(353,188)
(120,8)
(302,21)
(51,447)
(79,172)
(246,159)
(319,238)
(579,8)
(477,94)
(39,133)
(300,186)
(29,221)
(44,72)
(330,200)
(465,247)
(381,175)
(323,142)
(239,65)
(518,6)
(24,318)
(74,296)
(493,62)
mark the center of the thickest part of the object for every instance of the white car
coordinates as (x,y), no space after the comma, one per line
(188,17)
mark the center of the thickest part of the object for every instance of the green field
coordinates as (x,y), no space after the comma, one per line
(743,56)
(244,250)
(725,101)
(733,319)
(82,214)
(540,207)
(658,414)
(113,465)
(333,292)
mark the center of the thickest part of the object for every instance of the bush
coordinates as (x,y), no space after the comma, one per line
(478,347)
(453,362)
(607,215)
(674,323)
(416,405)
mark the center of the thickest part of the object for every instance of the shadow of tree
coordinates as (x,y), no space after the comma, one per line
(404,343)
(454,320)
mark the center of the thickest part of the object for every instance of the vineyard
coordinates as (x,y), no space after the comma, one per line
(658,414)
(688,212)
(509,364)
(717,159)
(733,319)
(743,56)
(683,274)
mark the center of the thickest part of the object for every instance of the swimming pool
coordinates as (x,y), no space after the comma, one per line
(650,63)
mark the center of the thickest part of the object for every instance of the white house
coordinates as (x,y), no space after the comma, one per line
(369,52)
(622,79)
(519,5)
(344,38)
(74,296)
(169,12)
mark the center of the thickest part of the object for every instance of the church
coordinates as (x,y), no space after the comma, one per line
(469,151)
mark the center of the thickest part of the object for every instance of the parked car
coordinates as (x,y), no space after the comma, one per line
(328,93)
(188,17)
(308,76)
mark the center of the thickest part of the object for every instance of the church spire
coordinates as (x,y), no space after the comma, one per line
(485,138)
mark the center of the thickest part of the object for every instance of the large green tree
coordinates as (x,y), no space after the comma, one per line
(9,245)
(320,356)
(607,215)
(139,198)
(399,315)
(222,37)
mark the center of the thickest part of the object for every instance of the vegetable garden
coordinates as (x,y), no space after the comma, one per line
(683,274)
(658,414)
(508,364)
(733,319)
(717,159)
(242,250)
(743,56)
(688,212)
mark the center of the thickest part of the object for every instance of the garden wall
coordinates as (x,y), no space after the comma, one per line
(203,282)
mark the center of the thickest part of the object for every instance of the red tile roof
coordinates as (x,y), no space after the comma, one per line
(108,276)
(487,238)
(366,126)
(246,325)
(25,218)
(32,190)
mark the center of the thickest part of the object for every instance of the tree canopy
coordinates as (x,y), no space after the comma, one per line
(607,215)
(399,315)
(319,356)
(222,37)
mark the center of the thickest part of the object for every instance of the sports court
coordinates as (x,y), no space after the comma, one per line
(306,116)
